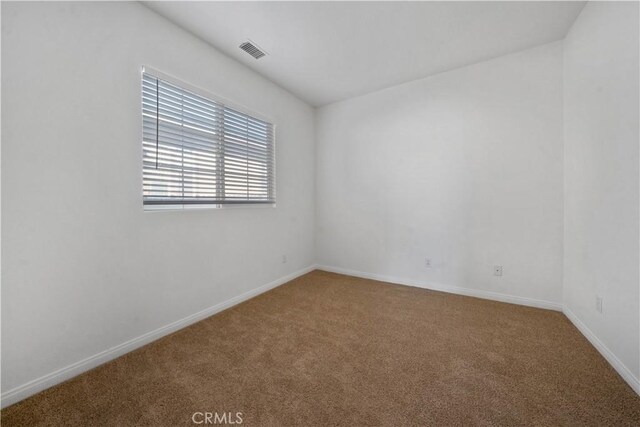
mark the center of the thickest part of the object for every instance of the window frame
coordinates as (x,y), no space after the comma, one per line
(160,207)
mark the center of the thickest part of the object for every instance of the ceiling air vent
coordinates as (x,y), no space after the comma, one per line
(252,49)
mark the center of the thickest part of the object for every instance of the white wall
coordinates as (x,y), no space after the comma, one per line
(464,167)
(601,134)
(84,268)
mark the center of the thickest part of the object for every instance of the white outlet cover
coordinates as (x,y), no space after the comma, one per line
(497,270)
(598,304)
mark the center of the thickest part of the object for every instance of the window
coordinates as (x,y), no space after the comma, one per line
(197,151)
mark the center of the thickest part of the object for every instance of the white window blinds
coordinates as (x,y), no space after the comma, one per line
(197,151)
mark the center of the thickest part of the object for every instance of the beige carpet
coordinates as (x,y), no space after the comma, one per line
(327,349)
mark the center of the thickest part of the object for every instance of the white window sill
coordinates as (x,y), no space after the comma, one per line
(170,208)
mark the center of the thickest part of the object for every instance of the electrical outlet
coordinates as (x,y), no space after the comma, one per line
(497,270)
(284,259)
(599,304)
(427,262)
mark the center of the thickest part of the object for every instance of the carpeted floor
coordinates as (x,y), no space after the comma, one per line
(327,349)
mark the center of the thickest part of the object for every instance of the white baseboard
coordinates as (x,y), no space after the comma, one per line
(617,364)
(495,296)
(32,387)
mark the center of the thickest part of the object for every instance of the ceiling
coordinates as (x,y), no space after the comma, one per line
(328,51)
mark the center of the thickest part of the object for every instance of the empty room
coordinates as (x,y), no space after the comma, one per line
(314,213)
